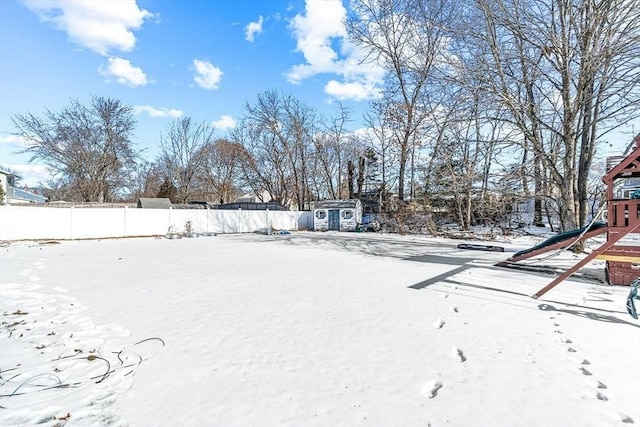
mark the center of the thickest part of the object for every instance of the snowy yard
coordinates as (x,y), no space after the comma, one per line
(307,329)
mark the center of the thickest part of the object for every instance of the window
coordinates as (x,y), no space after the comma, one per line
(347,214)
(320,214)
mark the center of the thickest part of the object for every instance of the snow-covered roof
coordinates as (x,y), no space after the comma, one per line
(337,204)
(27,196)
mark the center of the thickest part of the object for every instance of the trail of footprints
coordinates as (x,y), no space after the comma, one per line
(431,388)
(582,368)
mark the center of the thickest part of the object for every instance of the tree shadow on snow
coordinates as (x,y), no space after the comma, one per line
(588,315)
(447,278)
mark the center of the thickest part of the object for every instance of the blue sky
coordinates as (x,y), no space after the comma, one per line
(169,59)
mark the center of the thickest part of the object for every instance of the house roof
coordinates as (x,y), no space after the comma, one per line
(154,203)
(251,206)
(28,196)
(628,167)
(337,204)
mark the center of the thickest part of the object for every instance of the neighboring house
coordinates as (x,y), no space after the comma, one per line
(339,215)
(250,206)
(628,187)
(17,195)
(264,197)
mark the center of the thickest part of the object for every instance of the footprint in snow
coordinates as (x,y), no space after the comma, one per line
(601,397)
(430,389)
(585,371)
(453,309)
(444,296)
(623,417)
(438,324)
(458,354)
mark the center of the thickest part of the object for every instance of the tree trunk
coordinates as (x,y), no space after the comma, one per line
(350,169)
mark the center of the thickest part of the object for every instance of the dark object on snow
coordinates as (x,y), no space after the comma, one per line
(633,295)
(488,248)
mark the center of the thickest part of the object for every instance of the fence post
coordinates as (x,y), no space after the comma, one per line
(267,229)
(125,221)
(71,222)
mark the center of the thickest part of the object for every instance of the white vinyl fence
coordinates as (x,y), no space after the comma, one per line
(25,222)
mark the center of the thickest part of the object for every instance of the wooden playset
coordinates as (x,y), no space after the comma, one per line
(623,219)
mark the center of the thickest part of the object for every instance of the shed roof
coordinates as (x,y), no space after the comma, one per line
(154,203)
(337,204)
(628,166)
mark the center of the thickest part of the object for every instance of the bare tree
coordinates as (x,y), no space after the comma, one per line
(145,181)
(330,149)
(277,130)
(568,72)
(89,147)
(406,37)
(183,157)
(379,141)
(223,170)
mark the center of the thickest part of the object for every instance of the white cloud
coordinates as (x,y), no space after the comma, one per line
(100,25)
(124,72)
(15,140)
(31,174)
(157,112)
(317,32)
(352,90)
(253,28)
(207,75)
(314,33)
(224,122)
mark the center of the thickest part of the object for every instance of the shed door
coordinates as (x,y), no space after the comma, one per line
(334,219)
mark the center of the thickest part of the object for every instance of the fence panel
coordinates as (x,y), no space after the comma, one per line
(25,222)
(147,222)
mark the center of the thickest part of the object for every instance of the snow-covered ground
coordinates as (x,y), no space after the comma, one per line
(308,329)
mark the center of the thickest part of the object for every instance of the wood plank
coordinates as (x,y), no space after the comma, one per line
(619,258)
(607,245)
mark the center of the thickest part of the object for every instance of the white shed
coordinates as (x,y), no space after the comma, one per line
(339,215)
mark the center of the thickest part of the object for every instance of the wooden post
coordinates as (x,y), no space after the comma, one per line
(590,257)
